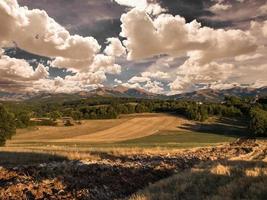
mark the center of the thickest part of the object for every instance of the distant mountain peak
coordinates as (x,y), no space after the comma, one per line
(120,88)
(219,95)
(122,91)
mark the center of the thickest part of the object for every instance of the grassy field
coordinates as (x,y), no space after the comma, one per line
(143,130)
(180,139)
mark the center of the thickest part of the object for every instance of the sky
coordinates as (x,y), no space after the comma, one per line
(162,46)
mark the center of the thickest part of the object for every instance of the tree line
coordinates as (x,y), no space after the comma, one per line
(18,115)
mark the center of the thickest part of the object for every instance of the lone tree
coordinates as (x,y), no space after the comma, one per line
(7,125)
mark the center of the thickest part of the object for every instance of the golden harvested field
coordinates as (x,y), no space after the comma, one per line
(101,131)
(131,129)
(61,132)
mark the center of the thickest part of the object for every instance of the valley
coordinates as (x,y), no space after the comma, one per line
(135,130)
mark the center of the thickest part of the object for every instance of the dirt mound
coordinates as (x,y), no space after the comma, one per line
(111,177)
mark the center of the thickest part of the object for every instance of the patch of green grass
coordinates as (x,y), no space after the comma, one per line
(181,138)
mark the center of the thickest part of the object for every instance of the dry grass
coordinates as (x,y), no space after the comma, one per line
(61,132)
(214,181)
(131,129)
(73,153)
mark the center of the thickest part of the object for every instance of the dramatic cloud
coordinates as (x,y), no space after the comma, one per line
(70,84)
(93,76)
(35,32)
(210,54)
(161,53)
(191,73)
(99,63)
(18,75)
(105,64)
(171,35)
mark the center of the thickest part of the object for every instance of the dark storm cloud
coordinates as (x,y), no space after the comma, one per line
(238,15)
(189,9)
(194,10)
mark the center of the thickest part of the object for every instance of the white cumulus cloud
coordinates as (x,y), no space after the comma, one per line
(171,35)
(115,48)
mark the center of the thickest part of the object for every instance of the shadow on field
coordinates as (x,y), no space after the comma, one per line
(10,159)
(223,126)
(72,179)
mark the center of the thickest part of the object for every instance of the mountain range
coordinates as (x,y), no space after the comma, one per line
(218,95)
(121,91)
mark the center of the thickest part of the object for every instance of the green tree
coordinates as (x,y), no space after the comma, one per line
(7,125)
(258,122)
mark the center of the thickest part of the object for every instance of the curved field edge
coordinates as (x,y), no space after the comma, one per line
(144,131)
